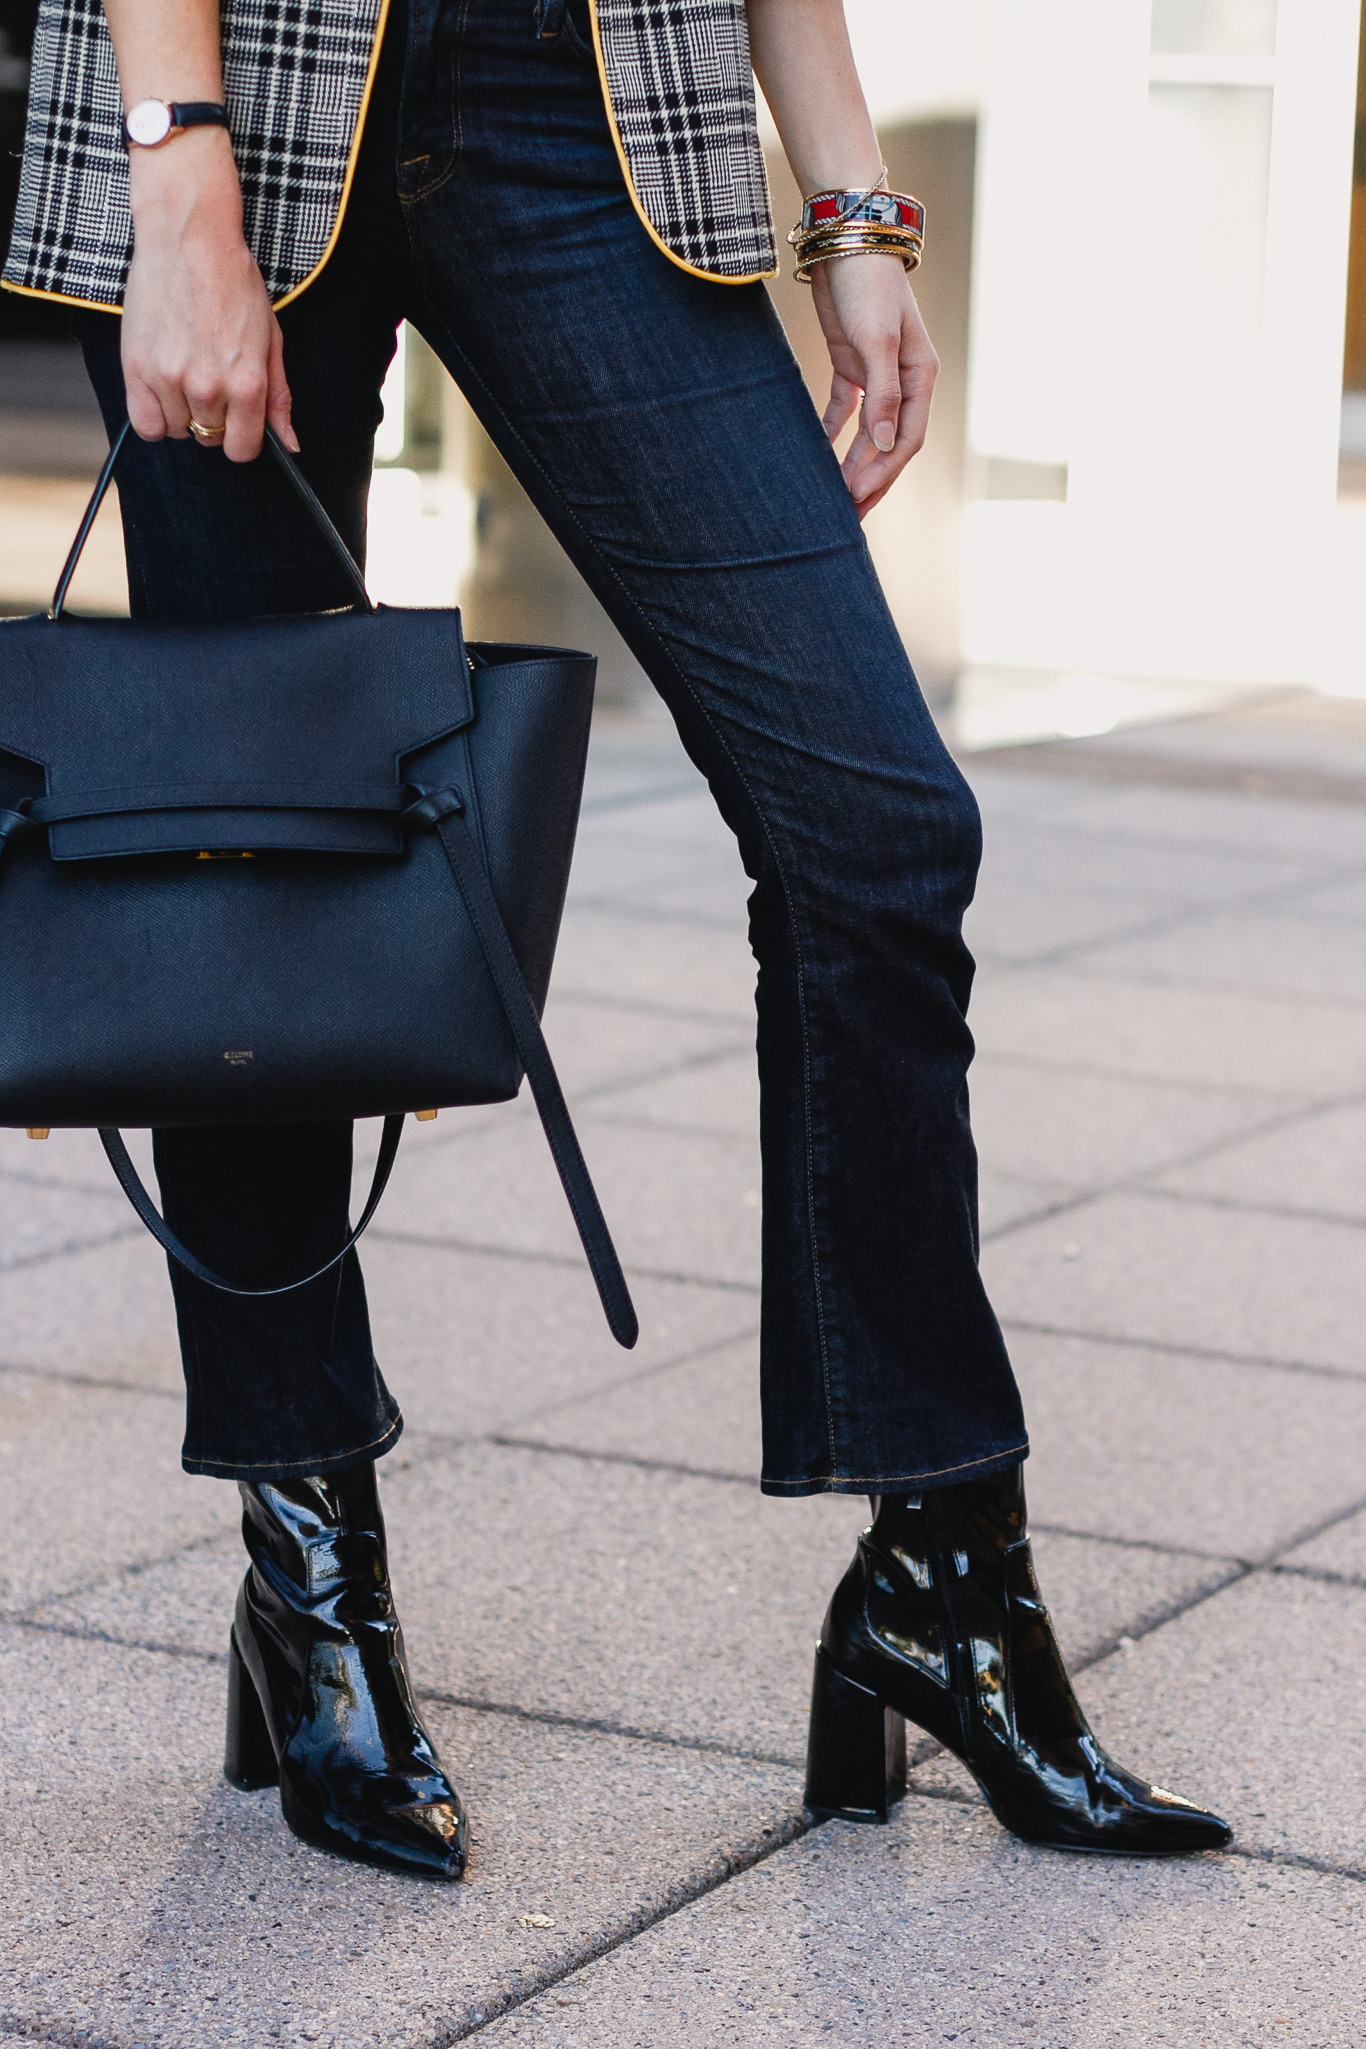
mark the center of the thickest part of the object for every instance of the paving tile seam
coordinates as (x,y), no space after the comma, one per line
(633,912)
(1139,1077)
(1166,922)
(691,1063)
(632,800)
(52,1373)
(640,1006)
(61,1185)
(1169,1349)
(1323,1573)
(525,1110)
(1138,1544)
(691,1357)
(1068,835)
(1286,1212)
(1236,1570)
(506,1442)
(723,1866)
(480,1704)
(1274,783)
(574,1260)
(608,1725)
(67,1248)
(735,1863)
(1139,1180)
(1307,1002)
(799,1826)
(1295,1860)
(210,1541)
(1236,1573)
(727,1865)
(75,1632)
(1123,1640)
(1132,978)
(716,1133)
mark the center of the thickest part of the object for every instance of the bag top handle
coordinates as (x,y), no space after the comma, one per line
(345,559)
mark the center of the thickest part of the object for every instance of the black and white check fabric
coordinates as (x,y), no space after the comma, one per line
(681,90)
(294,79)
(676,72)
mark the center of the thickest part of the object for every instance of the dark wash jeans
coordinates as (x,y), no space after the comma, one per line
(660,424)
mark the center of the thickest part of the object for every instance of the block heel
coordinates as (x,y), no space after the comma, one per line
(249,1757)
(856,1750)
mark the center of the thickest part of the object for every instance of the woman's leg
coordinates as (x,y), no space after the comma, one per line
(285,1395)
(660,423)
(290,1385)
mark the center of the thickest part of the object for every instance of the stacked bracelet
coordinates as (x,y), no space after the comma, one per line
(835,224)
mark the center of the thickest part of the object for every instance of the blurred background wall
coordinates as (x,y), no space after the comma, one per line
(1146,276)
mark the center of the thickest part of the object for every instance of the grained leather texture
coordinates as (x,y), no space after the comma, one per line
(333,974)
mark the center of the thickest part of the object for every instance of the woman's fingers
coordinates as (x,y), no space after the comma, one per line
(278,401)
(878,346)
(244,417)
(144,408)
(845,394)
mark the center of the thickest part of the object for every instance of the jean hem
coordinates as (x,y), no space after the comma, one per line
(898,1483)
(269,1470)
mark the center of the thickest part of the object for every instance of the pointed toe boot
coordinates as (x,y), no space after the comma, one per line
(319,1700)
(939,1621)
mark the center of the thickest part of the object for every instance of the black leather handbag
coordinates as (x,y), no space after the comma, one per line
(283,870)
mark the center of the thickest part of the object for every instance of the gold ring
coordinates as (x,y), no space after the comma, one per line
(207,437)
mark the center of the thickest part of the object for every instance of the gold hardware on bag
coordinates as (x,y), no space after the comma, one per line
(42,1130)
(424,1116)
(244,856)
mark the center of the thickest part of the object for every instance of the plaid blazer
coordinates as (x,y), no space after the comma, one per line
(676,79)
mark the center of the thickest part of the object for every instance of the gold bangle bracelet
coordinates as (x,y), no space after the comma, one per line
(812,249)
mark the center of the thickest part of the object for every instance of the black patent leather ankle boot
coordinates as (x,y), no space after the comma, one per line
(318,1693)
(939,1619)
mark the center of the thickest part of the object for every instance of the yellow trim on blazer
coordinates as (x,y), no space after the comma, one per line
(351,163)
(58,298)
(753,278)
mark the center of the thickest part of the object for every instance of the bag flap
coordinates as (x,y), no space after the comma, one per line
(216,725)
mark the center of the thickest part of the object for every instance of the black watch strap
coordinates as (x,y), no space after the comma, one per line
(198,114)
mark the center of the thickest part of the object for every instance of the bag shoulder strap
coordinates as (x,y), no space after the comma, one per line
(130,1181)
(446,811)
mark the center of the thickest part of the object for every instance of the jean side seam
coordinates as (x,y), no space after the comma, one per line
(610,572)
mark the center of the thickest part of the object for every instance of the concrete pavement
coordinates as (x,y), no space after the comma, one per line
(611,1629)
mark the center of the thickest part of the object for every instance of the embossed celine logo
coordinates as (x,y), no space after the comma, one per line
(239,1059)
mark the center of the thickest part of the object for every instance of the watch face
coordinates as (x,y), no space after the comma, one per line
(149,123)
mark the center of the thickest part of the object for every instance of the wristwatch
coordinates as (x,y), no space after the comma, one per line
(152,122)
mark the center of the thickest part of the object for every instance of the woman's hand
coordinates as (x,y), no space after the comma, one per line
(200,340)
(881,354)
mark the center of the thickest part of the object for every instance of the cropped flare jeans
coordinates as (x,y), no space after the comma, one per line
(660,424)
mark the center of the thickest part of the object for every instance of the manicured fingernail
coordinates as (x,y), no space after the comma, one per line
(884,436)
